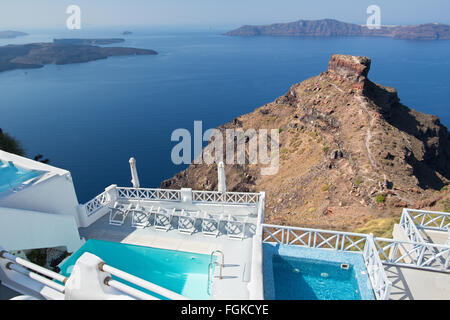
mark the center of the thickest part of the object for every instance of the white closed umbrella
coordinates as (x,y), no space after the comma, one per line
(134,175)
(222,184)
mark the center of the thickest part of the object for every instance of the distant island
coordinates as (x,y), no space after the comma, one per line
(81,42)
(61,51)
(335,28)
(127,33)
(9,34)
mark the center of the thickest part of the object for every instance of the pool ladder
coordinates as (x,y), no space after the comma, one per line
(211,264)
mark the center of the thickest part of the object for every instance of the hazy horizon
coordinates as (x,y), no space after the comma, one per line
(27,14)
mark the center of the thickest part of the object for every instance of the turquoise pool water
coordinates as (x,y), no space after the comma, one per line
(182,272)
(302,273)
(307,279)
(12,176)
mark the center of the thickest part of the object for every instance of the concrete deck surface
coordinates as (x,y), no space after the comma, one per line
(414,284)
(432,236)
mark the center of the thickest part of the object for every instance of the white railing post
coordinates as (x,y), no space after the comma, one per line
(366,249)
(111,193)
(82,215)
(377,275)
(421,255)
(409,227)
(86,281)
(186,195)
(261,208)
(447,262)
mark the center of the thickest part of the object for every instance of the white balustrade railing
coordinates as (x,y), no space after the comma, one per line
(95,204)
(339,241)
(410,228)
(314,238)
(426,255)
(226,197)
(380,283)
(420,255)
(148,194)
(376,251)
(197,196)
(432,220)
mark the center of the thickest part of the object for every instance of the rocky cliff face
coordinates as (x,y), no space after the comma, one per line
(350,152)
(334,28)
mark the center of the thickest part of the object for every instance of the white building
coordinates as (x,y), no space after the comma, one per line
(139,243)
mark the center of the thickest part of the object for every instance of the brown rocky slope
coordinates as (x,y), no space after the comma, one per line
(350,152)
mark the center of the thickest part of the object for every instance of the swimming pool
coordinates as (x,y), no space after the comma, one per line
(182,272)
(300,273)
(307,279)
(12,176)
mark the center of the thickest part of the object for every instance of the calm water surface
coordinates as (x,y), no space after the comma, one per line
(91,118)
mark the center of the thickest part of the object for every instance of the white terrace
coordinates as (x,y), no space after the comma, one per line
(185,220)
(415,264)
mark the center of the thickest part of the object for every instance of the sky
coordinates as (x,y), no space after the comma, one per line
(17,14)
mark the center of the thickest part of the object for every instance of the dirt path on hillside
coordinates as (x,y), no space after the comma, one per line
(369,131)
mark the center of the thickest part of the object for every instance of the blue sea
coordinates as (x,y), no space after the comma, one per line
(91,118)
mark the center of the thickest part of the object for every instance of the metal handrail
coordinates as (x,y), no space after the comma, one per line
(34,267)
(212,263)
(208,289)
(127,289)
(32,275)
(220,265)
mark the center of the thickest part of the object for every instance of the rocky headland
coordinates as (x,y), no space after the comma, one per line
(61,51)
(88,42)
(351,154)
(335,28)
(9,34)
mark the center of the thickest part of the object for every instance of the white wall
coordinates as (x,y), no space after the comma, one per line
(52,193)
(21,230)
